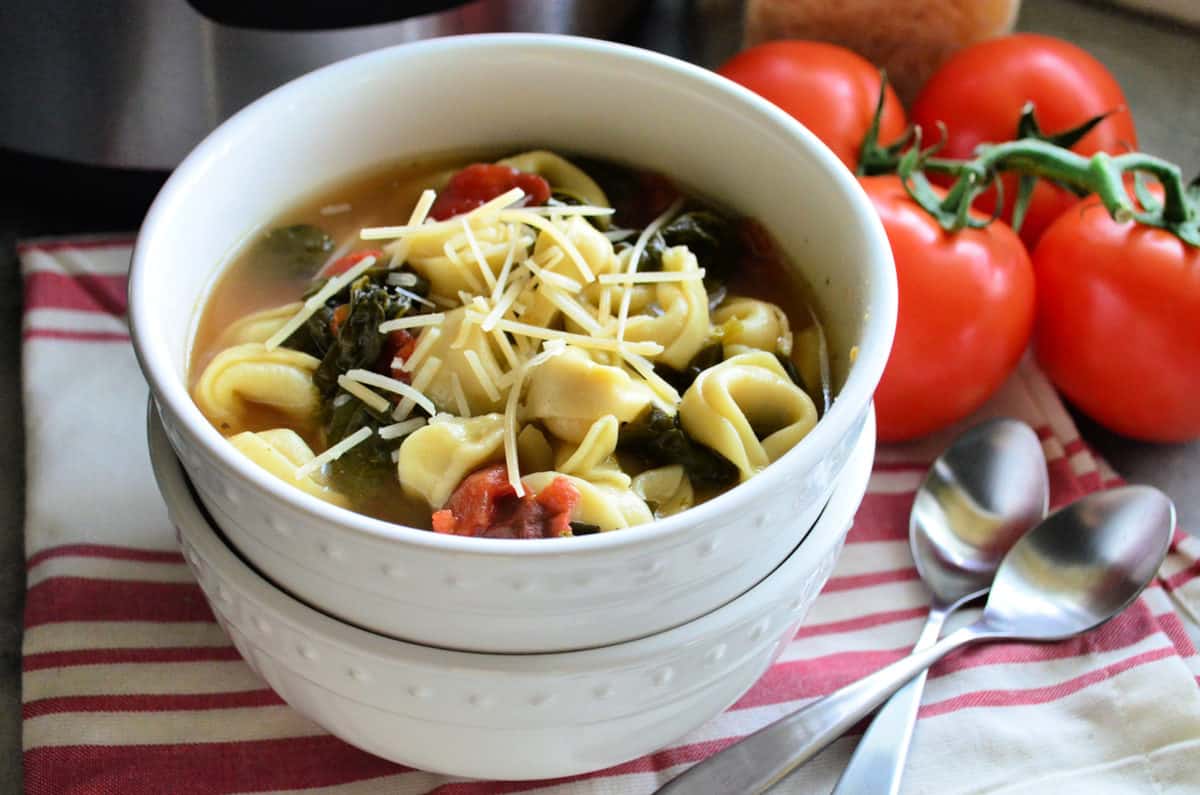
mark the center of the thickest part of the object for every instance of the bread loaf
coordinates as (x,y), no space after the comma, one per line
(909,38)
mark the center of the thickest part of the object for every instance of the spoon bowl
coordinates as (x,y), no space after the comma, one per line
(1082,565)
(979,497)
(1077,569)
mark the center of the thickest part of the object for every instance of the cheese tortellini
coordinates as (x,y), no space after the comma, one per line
(260,326)
(246,375)
(282,452)
(607,507)
(562,175)
(593,458)
(454,348)
(571,391)
(748,323)
(682,327)
(446,259)
(748,410)
(435,459)
(667,489)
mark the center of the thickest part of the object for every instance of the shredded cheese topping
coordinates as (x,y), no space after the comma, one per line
(650,277)
(333,453)
(431,319)
(647,348)
(391,385)
(635,257)
(396,430)
(377,402)
(317,300)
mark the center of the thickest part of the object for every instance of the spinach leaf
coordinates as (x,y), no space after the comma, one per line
(658,437)
(314,337)
(294,250)
(709,235)
(682,379)
(367,468)
(584,529)
(359,341)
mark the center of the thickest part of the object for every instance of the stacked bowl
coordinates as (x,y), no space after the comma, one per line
(471,656)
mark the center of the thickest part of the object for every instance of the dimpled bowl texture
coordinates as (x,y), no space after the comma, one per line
(507,716)
(512,91)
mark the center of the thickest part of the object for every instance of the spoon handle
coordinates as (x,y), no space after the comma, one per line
(878,762)
(758,762)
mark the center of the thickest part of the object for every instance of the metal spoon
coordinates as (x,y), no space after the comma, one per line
(979,497)
(1077,569)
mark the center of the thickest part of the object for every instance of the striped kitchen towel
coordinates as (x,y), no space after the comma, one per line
(130,687)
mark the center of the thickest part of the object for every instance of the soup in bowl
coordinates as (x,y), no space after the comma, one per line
(585,288)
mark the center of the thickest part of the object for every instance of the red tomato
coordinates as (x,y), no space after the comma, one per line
(829,89)
(485,504)
(478,184)
(965,316)
(979,93)
(1118,323)
(347,262)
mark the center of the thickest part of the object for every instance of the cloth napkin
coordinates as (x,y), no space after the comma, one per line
(130,687)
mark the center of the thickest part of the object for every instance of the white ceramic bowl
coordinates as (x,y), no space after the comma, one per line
(507,716)
(512,90)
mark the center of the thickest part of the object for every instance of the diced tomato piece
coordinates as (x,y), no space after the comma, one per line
(477,500)
(398,345)
(478,184)
(339,317)
(485,504)
(347,262)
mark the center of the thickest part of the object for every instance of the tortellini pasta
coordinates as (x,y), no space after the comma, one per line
(682,327)
(452,349)
(570,391)
(593,458)
(435,459)
(279,379)
(259,326)
(749,323)
(595,249)
(458,270)
(607,507)
(734,403)
(667,489)
(282,452)
(561,174)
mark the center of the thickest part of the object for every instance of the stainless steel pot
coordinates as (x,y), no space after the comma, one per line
(136,83)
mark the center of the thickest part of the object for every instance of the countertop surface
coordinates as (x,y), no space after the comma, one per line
(1155,61)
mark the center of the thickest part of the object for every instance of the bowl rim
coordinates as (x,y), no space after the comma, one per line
(833,523)
(852,399)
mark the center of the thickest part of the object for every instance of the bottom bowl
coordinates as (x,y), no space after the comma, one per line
(503,716)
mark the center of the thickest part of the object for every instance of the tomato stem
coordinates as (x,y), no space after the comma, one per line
(1101,174)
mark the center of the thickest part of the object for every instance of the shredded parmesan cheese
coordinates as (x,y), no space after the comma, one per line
(421,381)
(460,398)
(646,370)
(428,339)
(421,210)
(549,277)
(377,402)
(431,319)
(441,227)
(506,348)
(315,302)
(333,453)
(401,428)
(647,348)
(571,308)
(570,209)
(391,385)
(484,378)
(484,268)
(502,305)
(550,348)
(337,209)
(635,257)
(506,268)
(555,234)
(649,277)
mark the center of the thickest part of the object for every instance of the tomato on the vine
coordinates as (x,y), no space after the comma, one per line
(965,315)
(979,93)
(829,89)
(1118,323)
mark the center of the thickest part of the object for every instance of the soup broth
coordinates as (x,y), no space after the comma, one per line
(530,378)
